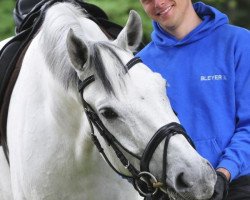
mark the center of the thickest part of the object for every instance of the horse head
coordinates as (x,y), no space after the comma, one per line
(132,105)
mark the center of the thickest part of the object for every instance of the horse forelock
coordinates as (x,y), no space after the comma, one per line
(102,66)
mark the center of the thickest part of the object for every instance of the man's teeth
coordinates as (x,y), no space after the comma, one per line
(164,11)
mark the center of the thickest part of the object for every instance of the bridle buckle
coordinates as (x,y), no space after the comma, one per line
(147,184)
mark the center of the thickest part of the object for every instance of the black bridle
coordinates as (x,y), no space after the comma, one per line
(144,182)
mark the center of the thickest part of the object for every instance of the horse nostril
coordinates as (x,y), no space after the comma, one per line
(182,182)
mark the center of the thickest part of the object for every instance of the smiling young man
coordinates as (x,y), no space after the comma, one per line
(206,62)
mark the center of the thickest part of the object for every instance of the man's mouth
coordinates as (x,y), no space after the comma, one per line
(161,12)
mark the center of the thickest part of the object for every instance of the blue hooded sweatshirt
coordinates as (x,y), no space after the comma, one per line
(208,73)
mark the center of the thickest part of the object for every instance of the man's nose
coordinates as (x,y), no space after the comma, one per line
(159,3)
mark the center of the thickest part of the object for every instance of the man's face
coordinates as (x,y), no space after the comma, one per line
(170,14)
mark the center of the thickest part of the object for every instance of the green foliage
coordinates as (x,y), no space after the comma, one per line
(118,10)
(6,21)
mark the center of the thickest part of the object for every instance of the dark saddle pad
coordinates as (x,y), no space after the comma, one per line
(12,53)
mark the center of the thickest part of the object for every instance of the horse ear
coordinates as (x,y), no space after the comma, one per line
(77,50)
(131,35)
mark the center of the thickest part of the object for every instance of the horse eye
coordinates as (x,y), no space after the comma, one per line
(108,113)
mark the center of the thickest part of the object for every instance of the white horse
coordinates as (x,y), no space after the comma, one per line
(51,153)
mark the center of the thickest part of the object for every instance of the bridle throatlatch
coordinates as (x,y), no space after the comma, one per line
(143,181)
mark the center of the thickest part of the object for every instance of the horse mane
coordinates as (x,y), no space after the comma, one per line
(59,19)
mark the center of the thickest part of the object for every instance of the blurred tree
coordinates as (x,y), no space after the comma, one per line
(6,20)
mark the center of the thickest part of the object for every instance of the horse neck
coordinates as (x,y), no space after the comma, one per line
(61,103)
(62,108)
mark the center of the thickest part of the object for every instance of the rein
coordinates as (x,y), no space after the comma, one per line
(143,181)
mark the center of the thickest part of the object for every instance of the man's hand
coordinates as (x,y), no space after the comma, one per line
(221,186)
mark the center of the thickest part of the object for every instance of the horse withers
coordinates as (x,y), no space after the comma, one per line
(50,124)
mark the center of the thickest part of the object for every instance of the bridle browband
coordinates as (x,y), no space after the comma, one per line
(143,181)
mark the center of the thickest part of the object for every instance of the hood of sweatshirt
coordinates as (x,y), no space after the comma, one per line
(211,20)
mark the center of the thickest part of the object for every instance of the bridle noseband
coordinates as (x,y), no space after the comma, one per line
(143,181)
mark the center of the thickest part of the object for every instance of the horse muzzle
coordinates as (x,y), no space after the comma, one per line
(147,184)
